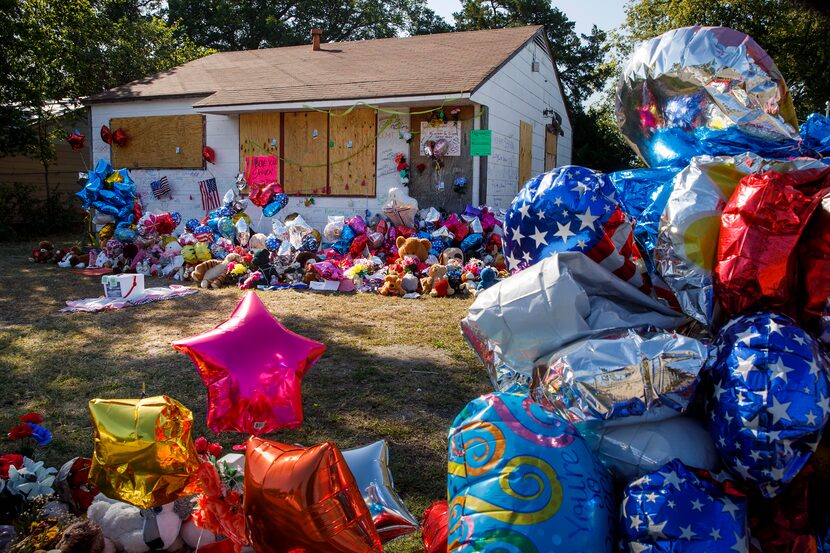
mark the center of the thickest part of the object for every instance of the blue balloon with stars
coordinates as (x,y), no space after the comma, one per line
(675,510)
(768,398)
(565,209)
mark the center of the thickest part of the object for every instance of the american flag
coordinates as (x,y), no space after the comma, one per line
(160,187)
(210,195)
(571,209)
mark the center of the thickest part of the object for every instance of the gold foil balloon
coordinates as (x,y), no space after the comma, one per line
(106,232)
(304,500)
(144,454)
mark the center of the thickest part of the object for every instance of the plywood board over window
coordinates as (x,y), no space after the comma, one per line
(551,142)
(525,152)
(352,157)
(305,149)
(259,135)
(160,142)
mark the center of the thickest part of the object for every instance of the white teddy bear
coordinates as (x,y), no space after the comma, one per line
(122,524)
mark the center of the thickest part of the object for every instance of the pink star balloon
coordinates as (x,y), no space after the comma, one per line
(253,368)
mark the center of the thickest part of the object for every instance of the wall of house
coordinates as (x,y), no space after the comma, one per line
(222,134)
(515,94)
(63,171)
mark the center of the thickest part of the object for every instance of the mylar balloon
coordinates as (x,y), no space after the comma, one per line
(208,154)
(677,510)
(434,531)
(76,140)
(119,137)
(304,499)
(73,486)
(768,391)
(106,134)
(253,369)
(226,227)
(277,203)
(522,479)
(370,467)
(144,454)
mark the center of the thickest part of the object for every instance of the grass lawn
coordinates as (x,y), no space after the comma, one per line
(395,369)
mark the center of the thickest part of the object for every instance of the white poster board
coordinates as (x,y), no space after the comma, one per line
(449,131)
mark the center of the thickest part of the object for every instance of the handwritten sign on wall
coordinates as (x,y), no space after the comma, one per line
(261,169)
(449,131)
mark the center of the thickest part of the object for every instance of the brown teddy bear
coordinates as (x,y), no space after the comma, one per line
(413,246)
(83,536)
(391,286)
(43,253)
(437,283)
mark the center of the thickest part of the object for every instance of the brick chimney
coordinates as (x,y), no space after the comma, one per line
(315,39)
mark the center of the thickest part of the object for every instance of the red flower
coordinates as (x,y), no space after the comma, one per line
(201,444)
(209,478)
(20,431)
(32,417)
(215,450)
(9,460)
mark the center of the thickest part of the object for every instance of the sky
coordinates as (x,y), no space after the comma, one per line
(605,14)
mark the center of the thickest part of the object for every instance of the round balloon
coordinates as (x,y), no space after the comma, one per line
(768,391)
(192,224)
(522,479)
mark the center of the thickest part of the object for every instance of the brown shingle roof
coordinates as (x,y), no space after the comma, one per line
(420,65)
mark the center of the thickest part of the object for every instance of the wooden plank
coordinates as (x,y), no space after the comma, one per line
(259,135)
(423,186)
(304,167)
(525,152)
(353,140)
(152,142)
(551,142)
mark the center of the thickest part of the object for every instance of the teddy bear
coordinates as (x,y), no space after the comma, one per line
(212,273)
(83,536)
(439,285)
(391,286)
(43,253)
(450,254)
(121,523)
(488,279)
(75,258)
(413,246)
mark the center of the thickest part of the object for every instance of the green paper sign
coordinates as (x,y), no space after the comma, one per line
(481,142)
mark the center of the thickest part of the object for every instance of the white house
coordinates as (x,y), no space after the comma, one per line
(294,103)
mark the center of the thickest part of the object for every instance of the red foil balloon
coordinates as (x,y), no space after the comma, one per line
(208,154)
(760,228)
(106,134)
(253,369)
(119,138)
(304,500)
(73,485)
(434,528)
(76,140)
(814,257)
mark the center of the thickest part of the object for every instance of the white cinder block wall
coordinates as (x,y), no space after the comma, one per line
(515,93)
(222,134)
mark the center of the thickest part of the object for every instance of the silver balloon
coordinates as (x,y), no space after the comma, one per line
(620,374)
(370,467)
(709,78)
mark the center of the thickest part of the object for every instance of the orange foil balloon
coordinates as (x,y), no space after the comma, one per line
(144,454)
(304,500)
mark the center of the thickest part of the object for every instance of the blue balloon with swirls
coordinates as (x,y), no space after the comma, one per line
(521,480)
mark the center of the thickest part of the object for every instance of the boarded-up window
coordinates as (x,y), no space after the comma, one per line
(305,149)
(352,157)
(163,142)
(525,152)
(551,141)
(259,135)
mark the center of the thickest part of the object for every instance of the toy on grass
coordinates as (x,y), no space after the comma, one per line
(252,367)
(391,286)
(213,273)
(144,454)
(410,283)
(313,495)
(438,284)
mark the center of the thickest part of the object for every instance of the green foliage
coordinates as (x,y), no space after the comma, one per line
(28,217)
(797,38)
(580,59)
(598,143)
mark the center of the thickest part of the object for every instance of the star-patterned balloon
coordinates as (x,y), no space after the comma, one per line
(768,392)
(253,368)
(571,209)
(679,511)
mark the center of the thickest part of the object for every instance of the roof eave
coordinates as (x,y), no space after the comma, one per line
(225,109)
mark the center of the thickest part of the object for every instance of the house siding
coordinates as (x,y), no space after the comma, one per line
(514,94)
(222,134)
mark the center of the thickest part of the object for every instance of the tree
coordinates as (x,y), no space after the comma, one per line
(797,38)
(56,52)
(249,24)
(579,58)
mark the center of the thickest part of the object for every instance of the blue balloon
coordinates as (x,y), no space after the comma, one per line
(213,224)
(472,242)
(272,243)
(673,509)
(565,209)
(309,244)
(125,234)
(522,480)
(176,216)
(192,224)
(275,205)
(347,236)
(768,393)
(113,198)
(815,133)
(202,229)
(225,212)
(226,227)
